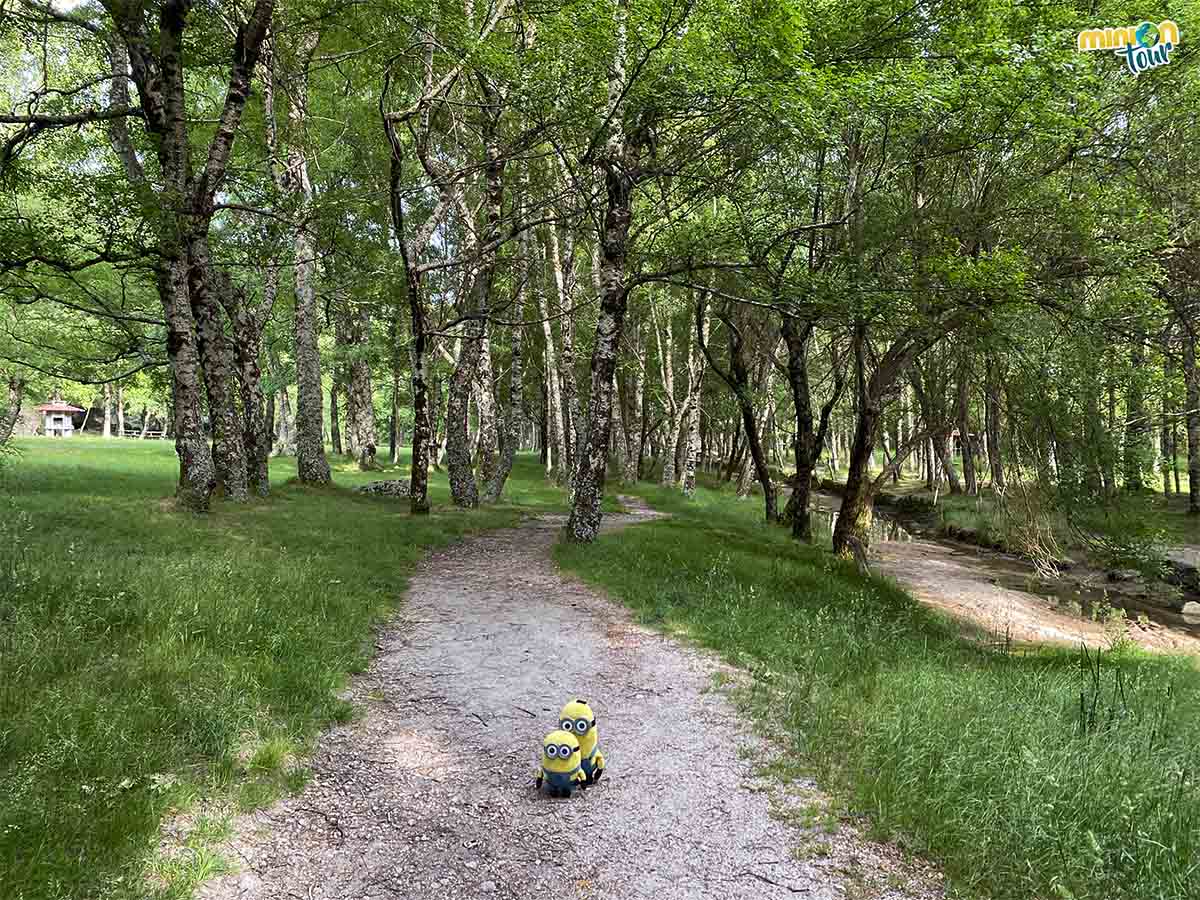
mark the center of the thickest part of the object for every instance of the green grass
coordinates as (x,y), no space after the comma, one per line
(1024,776)
(153,661)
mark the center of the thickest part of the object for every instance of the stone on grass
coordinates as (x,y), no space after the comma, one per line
(391,488)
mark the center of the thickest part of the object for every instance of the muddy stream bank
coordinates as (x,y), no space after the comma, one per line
(1009,600)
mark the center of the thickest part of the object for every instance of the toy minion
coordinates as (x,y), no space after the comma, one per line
(560,769)
(577,719)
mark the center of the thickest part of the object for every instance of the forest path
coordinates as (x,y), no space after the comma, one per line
(430,794)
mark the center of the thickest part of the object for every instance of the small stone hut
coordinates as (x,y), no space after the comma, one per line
(58,418)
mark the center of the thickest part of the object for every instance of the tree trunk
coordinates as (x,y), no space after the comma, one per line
(311,464)
(1168,413)
(394,420)
(459,466)
(487,438)
(564,279)
(187,201)
(852,532)
(205,287)
(348,443)
(738,379)
(554,398)
(970,481)
(421,437)
(120,411)
(545,454)
(745,477)
(197,474)
(692,448)
(735,452)
(360,393)
(437,414)
(620,441)
(1175,455)
(247,325)
(635,419)
(268,430)
(676,410)
(515,418)
(106,399)
(808,440)
(472,365)
(335,424)
(1192,380)
(1136,459)
(858,501)
(285,443)
(12,411)
(992,423)
(145,423)
(583,526)
(937,423)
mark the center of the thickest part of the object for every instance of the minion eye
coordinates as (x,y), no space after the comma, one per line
(564,751)
(567,725)
(581,725)
(552,751)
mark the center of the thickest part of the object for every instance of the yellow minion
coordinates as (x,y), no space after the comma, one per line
(577,719)
(560,768)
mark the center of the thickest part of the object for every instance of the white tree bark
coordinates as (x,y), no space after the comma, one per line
(312,466)
(106,395)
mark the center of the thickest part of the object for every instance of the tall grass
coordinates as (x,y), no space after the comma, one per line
(1025,776)
(153,661)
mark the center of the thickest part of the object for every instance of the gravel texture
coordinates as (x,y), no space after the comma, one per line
(430,794)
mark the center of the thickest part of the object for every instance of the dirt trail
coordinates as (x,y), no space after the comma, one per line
(957,581)
(430,794)
(1003,596)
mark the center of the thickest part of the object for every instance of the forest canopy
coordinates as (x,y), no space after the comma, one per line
(634,236)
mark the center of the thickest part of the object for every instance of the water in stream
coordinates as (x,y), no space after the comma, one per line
(883,527)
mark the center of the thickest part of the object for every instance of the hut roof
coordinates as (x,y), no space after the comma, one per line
(59,407)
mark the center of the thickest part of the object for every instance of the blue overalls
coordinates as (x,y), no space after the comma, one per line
(589,764)
(563,781)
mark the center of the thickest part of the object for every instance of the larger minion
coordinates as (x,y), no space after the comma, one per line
(560,769)
(578,719)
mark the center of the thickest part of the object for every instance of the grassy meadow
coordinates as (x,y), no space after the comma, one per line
(1037,775)
(152,660)
(155,663)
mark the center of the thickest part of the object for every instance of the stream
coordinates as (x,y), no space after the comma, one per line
(1007,598)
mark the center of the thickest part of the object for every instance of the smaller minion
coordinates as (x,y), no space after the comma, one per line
(578,719)
(560,768)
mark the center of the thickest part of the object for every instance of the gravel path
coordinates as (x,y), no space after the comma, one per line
(431,794)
